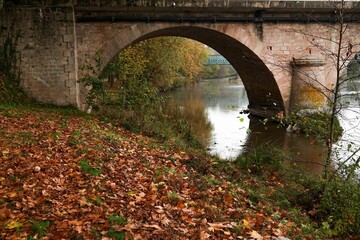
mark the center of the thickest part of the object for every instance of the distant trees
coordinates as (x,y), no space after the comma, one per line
(166,62)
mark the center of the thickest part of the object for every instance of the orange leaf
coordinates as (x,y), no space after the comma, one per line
(181,205)
(228,198)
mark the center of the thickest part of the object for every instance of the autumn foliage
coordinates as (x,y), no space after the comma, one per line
(64,175)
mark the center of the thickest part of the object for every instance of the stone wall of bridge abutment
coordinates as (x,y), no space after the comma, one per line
(46,52)
(54,42)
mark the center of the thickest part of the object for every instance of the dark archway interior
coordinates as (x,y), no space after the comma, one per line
(262,90)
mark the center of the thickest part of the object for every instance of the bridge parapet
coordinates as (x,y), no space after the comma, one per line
(260,4)
(201,11)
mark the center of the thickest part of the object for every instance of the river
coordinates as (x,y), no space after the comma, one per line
(233,132)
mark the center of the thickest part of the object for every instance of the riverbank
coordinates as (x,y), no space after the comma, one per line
(68,175)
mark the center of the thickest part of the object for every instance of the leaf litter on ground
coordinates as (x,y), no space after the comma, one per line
(91,179)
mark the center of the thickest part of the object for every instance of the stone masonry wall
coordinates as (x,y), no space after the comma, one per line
(46,50)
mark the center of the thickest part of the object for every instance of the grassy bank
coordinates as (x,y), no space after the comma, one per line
(69,175)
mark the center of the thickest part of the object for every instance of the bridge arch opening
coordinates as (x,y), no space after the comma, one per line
(263,92)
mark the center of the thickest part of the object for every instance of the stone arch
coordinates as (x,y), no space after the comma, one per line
(239,45)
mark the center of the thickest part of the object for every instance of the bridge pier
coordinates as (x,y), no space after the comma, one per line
(307,86)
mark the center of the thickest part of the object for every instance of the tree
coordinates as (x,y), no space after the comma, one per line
(336,198)
(340,56)
(167,62)
(331,47)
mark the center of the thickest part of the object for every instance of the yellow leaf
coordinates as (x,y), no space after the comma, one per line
(246,224)
(12,225)
(12,195)
(5,152)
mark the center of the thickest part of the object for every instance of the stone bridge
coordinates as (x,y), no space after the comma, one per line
(267,42)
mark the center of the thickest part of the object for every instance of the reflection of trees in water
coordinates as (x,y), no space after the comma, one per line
(222,93)
(192,109)
(304,152)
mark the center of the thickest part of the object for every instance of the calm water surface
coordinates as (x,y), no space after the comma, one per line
(233,132)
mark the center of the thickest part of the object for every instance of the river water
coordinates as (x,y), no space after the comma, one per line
(233,132)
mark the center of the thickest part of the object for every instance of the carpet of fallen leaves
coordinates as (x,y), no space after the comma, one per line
(80,175)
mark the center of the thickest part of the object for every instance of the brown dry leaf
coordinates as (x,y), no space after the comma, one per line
(165,220)
(152,226)
(228,198)
(139,197)
(83,202)
(204,235)
(277,232)
(218,226)
(75,222)
(62,225)
(255,235)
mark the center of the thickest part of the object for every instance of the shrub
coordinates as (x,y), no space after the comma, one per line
(263,158)
(339,207)
(316,125)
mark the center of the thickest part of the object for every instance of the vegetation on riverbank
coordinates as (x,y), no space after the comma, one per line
(314,124)
(71,175)
(333,204)
(129,87)
(78,173)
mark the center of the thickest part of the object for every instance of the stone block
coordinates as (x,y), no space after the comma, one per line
(72,91)
(68,38)
(69,68)
(69,16)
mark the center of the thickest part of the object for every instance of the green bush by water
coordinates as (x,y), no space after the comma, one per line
(316,125)
(265,157)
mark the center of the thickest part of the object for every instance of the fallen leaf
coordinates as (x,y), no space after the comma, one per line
(218,226)
(204,235)
(255,235)
(152,226)
(245,224)
(12,225)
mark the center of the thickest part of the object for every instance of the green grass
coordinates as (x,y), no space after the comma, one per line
(117,219)
(96,200)
(260,159)
(87,168)
(116,234)
(39,228)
